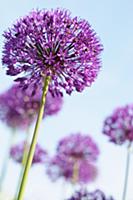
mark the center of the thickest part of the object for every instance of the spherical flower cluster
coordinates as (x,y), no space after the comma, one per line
(18,108)
(16,153)
(75,154)
(78,147)
(119,125)
(52,43)
(96,195)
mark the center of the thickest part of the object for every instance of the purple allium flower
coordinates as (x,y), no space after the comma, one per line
(52,43)
(17,151)
(78,147)
(119,125)
(75,152)
(18,108)
(84,195)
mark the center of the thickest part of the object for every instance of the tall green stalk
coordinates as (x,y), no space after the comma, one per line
(6,159)
(34,140)
(126,172)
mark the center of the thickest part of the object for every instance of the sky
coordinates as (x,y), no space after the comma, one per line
(82,112)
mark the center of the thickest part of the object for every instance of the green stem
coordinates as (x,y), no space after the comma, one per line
(6,160)
(126,172)
(34,140)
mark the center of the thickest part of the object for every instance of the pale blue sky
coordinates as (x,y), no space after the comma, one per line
(85,112)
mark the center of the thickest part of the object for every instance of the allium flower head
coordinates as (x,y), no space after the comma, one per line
(78,147)
(96,195)
(119,125)
(75,153)
(18,108)
(52,43)
(17,151)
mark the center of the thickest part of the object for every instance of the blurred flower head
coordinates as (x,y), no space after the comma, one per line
(78,147)
(84,195)
(52,43)
(76,153)
(19,108)
(40,155)
(119,125)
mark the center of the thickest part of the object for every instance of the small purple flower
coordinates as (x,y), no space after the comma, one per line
(119,125)
(52,43)
(18,108)
(17,151)
(75,153)
(84,195)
